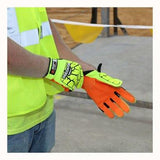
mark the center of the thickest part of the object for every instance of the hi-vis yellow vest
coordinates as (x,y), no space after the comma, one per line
(29,27)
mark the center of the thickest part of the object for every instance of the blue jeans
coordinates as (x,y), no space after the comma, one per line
(40,138)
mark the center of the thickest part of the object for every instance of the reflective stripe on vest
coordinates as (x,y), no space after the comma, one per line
(31,37)
(29,27)
(28,37)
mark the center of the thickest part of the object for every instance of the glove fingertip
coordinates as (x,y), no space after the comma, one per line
(131,99)
(110,115)
(126,95)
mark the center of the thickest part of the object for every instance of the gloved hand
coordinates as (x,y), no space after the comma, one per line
(107,93)
(69,74)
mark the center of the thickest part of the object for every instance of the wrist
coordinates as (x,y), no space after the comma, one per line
(87,67)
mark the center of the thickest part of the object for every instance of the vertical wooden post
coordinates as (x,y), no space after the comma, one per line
(94,15)
(115,20)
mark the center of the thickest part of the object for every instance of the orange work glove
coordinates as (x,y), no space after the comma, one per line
(107,93)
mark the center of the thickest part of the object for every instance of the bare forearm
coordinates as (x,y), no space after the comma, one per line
(23,63)
(65,52)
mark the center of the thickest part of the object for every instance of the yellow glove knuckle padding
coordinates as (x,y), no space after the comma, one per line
(76,76)
(67,73)
(103,77)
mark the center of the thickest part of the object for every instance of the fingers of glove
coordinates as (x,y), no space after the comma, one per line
(122,104)
(126,95)
(114,107)
(106,110)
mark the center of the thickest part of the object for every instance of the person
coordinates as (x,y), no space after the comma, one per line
(41,65)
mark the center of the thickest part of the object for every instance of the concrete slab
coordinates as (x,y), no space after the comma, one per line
(81,127)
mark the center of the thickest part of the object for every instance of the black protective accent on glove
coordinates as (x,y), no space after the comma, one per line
(99,67)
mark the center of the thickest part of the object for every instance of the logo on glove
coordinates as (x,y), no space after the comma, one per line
(67,71)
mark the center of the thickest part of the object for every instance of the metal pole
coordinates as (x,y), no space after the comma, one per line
(105,20)
(115,17)
(139,103)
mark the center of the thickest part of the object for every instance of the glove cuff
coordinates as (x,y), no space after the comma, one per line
(52,67)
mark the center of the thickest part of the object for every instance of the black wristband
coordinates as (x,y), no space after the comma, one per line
(48,67)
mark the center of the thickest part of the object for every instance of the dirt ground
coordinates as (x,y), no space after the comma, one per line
(127,16)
